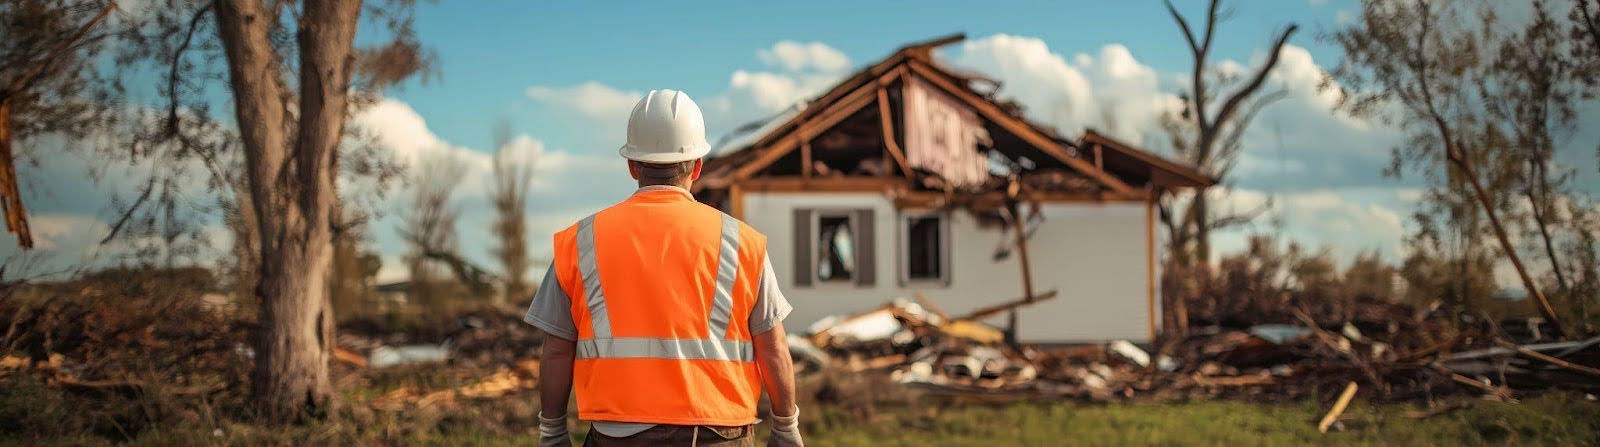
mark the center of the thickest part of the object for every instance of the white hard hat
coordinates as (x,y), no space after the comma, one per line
(665,127)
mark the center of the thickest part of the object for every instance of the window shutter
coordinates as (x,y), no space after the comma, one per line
(802,247)
(866,247)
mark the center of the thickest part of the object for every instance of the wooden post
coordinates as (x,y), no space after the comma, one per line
(890,146)
(1149,255)
(1099,163)
(805,159)
(1022,258)
(736,201)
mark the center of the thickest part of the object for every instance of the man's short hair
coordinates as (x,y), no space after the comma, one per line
(665,174)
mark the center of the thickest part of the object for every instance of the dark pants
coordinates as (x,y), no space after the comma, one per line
(676,435)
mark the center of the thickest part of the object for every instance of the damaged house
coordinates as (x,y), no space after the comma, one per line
(909,177)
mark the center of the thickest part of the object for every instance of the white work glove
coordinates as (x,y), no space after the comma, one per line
(553,432)
(786,431)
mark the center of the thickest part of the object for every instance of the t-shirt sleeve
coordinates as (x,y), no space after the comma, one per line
(771,307)
(551,309)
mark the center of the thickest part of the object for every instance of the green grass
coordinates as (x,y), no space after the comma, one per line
(1551,420)
(1556,419)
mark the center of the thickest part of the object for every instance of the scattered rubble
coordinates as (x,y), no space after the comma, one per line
(1387,353)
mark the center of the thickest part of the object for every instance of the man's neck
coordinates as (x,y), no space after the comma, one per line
(684,186)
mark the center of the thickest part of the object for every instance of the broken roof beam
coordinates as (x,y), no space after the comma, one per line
(889,143)
(827,184)
(825,119)
(1008,305)
(1166,173)
(924,49)
(1020,128)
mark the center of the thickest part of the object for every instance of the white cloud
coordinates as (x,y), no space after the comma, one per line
(1110,91)
(1347,221)
(796,56)
(565,183)
(801,71)
(591,99)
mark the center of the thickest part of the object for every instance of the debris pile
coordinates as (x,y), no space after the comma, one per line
(1393,352)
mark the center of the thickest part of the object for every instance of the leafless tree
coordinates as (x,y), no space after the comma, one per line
(1208,131)
(513,176)
(429,223)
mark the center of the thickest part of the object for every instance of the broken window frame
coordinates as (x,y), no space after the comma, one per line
(852,224)
(943,254)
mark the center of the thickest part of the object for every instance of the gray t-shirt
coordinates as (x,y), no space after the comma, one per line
(551,311)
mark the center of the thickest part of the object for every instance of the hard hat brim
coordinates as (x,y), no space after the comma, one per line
(635,154)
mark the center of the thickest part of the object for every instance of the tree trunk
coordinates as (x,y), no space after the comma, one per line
(1544,231)
(10,193)
(1202,228)
(292,192)
(1455,156)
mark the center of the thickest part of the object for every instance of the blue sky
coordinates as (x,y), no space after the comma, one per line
(564,75)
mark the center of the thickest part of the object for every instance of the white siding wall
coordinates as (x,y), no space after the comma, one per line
(1093,254)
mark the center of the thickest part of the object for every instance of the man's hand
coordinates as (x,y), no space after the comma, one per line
(786,430)
(553,432)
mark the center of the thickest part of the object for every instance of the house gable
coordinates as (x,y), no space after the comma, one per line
(853,138)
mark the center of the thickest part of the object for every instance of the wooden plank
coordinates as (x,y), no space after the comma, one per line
(1181,174)
(1536,355)
(1005,306)
(889,144)
(736,201)
(823,184)
(805,158)
(835,113)
(990,200)
(1150,262)
(1338,408)
(1099,159)
(1022,256)
(1023,130)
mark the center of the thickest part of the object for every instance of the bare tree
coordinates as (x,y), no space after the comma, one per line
(429,224)
(513,176)
(1208,131)
(47,83)
(1417,63)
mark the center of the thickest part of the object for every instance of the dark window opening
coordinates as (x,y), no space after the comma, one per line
(835,249)
(924,255)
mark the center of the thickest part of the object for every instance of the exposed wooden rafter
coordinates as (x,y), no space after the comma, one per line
(1019,128)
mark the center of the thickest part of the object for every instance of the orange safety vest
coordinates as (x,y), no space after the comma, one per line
(662,288)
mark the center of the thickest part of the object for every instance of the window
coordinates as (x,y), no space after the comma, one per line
(835,248)
(925,248)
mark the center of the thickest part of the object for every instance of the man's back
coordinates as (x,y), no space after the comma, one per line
(661,289)
(663,314)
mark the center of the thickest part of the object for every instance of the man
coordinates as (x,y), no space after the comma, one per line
(663,312)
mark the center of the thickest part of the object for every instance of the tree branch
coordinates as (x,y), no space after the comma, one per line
(66,45)
(1260,77)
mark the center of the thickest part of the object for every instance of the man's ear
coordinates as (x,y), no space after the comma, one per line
(633,169)
(700,163)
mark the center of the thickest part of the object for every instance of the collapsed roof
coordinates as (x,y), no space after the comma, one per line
(908,125)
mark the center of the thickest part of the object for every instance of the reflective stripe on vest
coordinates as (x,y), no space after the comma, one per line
(603,346)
